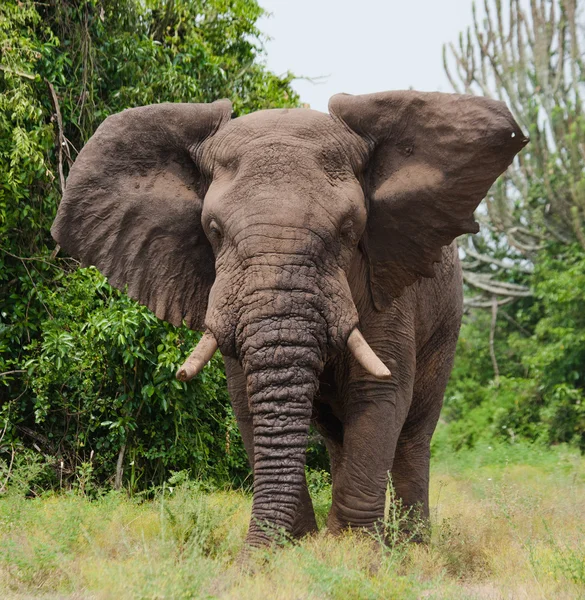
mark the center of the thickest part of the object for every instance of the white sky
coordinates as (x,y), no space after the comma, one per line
(362,46)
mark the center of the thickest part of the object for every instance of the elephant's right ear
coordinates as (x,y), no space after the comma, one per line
(433,157)
(132,207)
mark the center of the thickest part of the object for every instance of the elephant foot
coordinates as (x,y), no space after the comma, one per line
(252,559)
(409,527)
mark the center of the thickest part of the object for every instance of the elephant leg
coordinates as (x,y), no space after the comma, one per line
(335,451)
(410,478)
(330,427)
(375,413)
(304,522)
(410,470)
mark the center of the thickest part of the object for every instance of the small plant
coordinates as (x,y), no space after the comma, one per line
(25,472)
(190,518)
(319,485)
(567,562)
(85,483)
(461,549)
(402,525)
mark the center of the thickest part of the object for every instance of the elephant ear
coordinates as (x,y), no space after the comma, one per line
(433,157)
(132,207)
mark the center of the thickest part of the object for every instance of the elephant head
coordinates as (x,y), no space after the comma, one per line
(247,228)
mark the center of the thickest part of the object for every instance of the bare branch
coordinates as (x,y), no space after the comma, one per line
(514,322)
(17,72)
(499,263)
(12,372)
(480,302)
(499,288)
(61,137)
(492,336)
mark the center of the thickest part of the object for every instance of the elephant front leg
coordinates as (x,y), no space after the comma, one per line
(375,414)
(410,470)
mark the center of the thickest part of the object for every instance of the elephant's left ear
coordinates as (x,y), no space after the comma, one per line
(433,157)
(133,202)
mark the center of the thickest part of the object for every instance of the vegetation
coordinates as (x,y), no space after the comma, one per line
(90,409)
(519,371)
(507,523)
(86,375)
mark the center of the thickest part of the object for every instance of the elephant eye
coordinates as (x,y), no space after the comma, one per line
(347,231)
(214,230)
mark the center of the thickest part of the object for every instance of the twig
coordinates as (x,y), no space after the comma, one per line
(31,279)
(11,372)
(17,72)
(37,290)
(31,258)
(5,484)
(492,335)
(62,142)
(515,323)
(4,430)
(62,146)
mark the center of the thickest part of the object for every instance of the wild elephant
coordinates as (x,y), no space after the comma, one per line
(317,252)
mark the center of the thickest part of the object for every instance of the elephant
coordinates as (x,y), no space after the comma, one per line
(317,251)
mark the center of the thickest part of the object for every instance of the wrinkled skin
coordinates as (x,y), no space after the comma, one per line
(282,231)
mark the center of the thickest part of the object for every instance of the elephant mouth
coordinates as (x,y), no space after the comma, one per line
(356,344)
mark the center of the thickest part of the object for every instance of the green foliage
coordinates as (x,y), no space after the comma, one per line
(540,353)
(102,377)
(86,375)
(319,486)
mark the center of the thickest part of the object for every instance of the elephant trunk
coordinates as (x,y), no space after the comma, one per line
(282,360)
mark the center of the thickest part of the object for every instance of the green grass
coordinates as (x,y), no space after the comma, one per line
(508,522)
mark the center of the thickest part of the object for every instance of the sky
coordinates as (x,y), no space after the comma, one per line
(362,46)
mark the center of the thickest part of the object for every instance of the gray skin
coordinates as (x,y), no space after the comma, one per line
(279,233)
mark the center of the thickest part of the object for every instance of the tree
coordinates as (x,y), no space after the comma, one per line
(529,56)
(86,375)
(530,254)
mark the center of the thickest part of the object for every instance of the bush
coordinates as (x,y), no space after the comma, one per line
(102,377)
(540,349)
(87,375)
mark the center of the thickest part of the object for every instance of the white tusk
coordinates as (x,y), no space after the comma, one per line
(200,356)
(366,356)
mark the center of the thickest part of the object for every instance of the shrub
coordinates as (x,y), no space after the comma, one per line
(86,375)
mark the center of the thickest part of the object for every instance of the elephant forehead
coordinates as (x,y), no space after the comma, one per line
(300,121)
(281,134)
